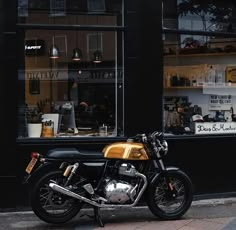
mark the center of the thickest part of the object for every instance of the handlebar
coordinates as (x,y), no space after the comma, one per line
(155,139)
(154,136)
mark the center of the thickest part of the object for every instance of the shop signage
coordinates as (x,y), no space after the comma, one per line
(215,127)
(47,74)
(34,47)
(96,76)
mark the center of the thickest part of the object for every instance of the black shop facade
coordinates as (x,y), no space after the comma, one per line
(97,72)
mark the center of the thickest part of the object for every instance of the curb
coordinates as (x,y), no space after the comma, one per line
(214,202)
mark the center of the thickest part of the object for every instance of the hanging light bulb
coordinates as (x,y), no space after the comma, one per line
(77,54)
(53,52)
(97,56)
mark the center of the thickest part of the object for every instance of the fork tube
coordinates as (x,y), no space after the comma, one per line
(158,159)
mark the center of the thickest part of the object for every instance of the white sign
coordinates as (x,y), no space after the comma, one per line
(220,102)
(32,47)
(215,127)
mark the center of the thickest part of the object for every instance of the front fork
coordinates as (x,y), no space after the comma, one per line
(170,187)
(158,164)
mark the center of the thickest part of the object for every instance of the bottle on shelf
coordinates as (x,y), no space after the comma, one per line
(211,76)
(168,78)
(193,81)
(220,76)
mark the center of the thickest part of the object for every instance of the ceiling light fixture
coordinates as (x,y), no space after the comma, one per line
(77,53)
(54,51)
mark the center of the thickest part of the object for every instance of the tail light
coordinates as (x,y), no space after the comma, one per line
(35,155)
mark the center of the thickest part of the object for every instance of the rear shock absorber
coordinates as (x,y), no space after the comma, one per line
(70,172)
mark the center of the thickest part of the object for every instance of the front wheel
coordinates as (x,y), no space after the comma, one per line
(50,206)
(170,195)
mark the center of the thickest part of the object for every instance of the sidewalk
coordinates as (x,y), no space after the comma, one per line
(210,214)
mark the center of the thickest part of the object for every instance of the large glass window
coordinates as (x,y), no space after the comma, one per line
(199,73)
(207,15)
(71,81)
(68,12)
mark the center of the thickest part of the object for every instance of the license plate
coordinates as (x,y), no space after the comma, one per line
(31,165)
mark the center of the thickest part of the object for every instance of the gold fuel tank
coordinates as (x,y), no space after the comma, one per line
(125,151)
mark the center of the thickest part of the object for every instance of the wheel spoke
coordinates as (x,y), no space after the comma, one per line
(164,199)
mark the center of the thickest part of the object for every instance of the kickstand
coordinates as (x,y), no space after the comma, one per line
(97,216)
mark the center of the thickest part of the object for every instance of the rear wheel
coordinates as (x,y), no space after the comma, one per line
(50,206)
(166,204)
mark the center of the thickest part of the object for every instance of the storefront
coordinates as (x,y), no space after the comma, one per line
(92,72)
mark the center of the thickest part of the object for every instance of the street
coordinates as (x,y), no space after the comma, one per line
(211,214)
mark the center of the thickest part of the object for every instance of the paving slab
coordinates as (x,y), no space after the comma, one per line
(212,214)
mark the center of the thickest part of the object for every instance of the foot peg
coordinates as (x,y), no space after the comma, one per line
(99,199)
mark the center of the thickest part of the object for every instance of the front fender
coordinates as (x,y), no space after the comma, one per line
(168,169)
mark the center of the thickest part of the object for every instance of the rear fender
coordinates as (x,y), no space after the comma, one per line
(40,170)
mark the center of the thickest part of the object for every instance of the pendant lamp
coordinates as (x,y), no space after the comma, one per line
(53,52)
(77,54)
(97,56)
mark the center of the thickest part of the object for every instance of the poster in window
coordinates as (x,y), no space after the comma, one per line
(220,102)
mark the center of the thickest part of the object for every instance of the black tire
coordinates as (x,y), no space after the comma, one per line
(162,204)
(50,206)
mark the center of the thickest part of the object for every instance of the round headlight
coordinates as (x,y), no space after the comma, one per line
(164,147)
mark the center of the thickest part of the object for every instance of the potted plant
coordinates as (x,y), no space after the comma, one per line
(34,121)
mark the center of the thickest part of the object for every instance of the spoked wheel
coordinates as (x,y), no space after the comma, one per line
(170,198)
(51,206)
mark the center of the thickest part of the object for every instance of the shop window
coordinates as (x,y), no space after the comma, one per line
(199,15)
(96,5)
(199,84)
(70,12)
(94,42)
(199,67)
(61,41)
(57,8)
(78,96)
(22,8)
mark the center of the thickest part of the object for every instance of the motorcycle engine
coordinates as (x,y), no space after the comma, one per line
(120,191)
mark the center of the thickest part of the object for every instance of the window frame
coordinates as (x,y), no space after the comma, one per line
(178,31)
(27,26)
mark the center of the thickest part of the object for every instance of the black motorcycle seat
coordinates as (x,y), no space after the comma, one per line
(73,153)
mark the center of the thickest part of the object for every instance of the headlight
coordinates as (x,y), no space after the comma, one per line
(164,147)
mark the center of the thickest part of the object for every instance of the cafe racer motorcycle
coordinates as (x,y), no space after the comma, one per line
(121,176)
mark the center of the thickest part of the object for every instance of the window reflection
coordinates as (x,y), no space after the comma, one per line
(85,94)
(80,12)
(200,15)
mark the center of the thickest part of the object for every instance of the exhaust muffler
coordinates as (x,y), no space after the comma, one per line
(67,192)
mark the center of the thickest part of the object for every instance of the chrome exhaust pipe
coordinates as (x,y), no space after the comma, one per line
(67,192)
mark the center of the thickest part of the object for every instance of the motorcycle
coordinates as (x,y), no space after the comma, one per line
(121,176)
